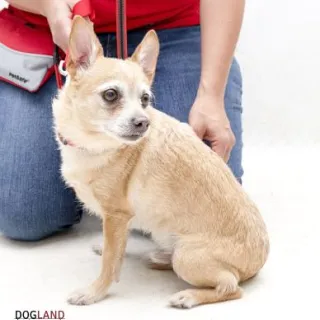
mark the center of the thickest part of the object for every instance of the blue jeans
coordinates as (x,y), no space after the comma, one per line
(34,202)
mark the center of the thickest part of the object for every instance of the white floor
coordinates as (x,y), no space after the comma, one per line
(279,54)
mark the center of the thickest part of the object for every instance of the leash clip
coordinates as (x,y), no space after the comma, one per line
(62,69)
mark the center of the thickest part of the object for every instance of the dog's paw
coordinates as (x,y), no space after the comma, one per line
(183,300)
(84,297)
(97,249)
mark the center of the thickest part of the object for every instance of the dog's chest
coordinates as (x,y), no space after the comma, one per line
(90,181)
(148,208)
(84,190)
(151,216)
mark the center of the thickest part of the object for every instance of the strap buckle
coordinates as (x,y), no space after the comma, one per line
(62,69)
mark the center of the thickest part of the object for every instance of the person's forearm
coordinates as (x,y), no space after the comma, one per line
(221,22)
(37,6)
(33,6)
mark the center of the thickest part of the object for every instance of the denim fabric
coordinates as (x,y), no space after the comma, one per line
(34,202)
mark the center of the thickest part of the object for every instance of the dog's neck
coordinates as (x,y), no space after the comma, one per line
(65,141)
(109,150)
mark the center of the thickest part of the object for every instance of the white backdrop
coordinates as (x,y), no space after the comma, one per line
(279,51)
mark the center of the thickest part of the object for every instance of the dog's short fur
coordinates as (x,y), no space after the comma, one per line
(208,230)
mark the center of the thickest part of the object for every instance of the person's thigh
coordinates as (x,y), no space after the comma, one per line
(34,202)
(177,80)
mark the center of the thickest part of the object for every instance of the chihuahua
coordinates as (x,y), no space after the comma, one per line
(129,162)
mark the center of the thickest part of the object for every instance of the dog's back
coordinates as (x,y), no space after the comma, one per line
(180,187)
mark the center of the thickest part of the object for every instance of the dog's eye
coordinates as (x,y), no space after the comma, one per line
(145,99)
(110,95)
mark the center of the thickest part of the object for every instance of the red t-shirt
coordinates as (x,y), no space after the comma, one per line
(158,14)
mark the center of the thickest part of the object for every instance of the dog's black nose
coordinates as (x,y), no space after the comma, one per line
(141,124)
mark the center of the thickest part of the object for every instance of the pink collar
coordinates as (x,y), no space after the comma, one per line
(65,142)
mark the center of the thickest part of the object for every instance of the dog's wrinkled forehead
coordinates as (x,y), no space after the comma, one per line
(107,70)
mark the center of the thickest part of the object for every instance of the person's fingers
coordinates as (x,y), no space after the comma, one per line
(59,20)
(65,36)
(231,144)
(227,155)
(60,30)
(223,145)
(199,130)
(219,148)
(197,125)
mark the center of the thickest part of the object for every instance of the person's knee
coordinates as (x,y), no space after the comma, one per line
(25,218)
(21,230)
(22,225)
(34,201)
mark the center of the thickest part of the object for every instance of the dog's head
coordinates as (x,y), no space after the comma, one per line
(105,99)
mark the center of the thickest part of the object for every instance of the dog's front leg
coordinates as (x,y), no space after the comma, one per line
(115,230)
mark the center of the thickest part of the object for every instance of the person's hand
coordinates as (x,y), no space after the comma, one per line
(59,14)
(209,121)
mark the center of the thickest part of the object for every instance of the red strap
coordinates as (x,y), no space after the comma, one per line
(121,34)
(58,76)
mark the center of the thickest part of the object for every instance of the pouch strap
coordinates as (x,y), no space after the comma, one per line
(121,23)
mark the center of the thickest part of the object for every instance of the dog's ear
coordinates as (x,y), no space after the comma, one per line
(146,54)
(84,46)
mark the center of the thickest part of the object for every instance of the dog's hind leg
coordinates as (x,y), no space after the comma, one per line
(160,260)
(226,288)
(197,265)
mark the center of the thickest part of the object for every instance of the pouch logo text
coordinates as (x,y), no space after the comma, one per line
(17,77)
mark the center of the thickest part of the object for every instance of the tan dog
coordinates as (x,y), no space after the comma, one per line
(125,159)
